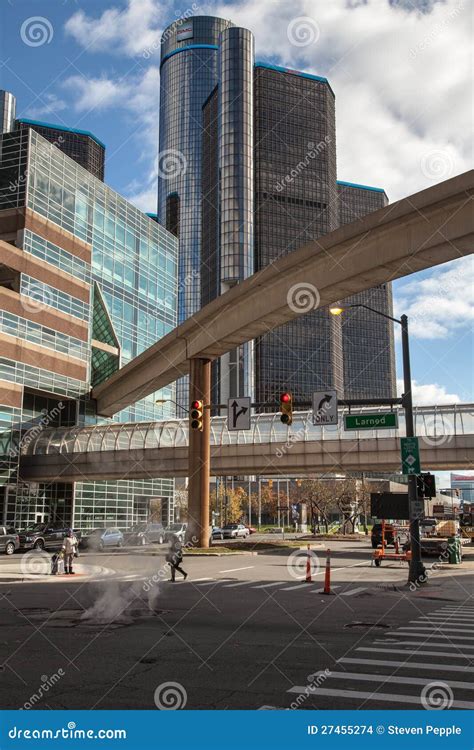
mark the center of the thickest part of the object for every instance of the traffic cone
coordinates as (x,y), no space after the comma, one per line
(308,566)
(327,575)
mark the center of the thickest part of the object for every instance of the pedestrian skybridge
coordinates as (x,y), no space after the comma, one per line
(160,449)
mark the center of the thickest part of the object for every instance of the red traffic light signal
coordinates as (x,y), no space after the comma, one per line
(286,408)
(195,415)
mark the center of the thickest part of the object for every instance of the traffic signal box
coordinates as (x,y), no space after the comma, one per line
(286,408)
(196,415)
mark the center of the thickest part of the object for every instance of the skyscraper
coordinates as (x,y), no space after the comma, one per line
(251,155)
(367,339)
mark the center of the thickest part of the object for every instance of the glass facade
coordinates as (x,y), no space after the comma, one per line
(126,269)
(367,338)
(189,73)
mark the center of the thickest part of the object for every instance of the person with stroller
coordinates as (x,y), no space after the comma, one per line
(175,557)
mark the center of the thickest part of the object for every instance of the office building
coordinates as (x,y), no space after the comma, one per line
(87,282)
(464,483)
(367,339)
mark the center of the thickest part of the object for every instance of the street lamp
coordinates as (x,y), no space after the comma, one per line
(417,570)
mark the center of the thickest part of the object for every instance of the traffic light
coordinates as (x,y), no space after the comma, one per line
(286,408)
(426,485)
(195,415)
(270,484)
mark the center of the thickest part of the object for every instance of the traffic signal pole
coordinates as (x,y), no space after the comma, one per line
(199,456)
(417,570)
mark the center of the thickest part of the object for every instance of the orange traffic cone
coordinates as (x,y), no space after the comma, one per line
(327,575)
(308,566)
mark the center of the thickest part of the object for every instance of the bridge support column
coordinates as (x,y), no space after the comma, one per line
(199,455)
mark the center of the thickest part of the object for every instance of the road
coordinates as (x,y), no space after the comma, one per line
(244,631)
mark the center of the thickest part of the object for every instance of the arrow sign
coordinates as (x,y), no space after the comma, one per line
(238,413)
(325,407)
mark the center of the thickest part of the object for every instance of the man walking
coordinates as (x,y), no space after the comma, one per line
(175,557)
(69,550)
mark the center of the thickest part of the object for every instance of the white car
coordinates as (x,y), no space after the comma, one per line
(176,530)
(234,530)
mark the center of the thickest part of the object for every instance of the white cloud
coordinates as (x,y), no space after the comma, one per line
(50,106)
(429,394)
(441,303)
(400,71)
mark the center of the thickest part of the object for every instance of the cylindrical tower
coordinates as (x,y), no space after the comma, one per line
(7,111)
(189,73)
(236,188)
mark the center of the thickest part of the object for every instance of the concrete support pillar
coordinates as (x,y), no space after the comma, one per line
(199,456)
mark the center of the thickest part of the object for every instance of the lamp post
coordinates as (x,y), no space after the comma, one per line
(417,570)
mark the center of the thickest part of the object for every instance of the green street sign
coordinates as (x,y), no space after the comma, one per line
(410,455)
(381,421)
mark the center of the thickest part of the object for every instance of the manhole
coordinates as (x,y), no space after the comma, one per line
(366,625)
(77,618)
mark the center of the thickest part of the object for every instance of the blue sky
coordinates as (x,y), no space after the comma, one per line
(403,114)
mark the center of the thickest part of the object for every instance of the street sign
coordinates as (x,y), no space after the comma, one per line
(410,455)
(392,505)
(417,509)
(381,421)
(325,407)
(238,413)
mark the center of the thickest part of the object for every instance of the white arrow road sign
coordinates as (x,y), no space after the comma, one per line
(325,407)
(238,413)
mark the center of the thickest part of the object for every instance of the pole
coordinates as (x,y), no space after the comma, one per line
(416,570)
(199,455)
(259,501)
(250,502)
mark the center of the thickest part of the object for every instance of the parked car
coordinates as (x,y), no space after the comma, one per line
(9,540)
(234,530)
(145,533)
(45,535)
(428,526)
(251,529)
(176,529)
(217,533)
(99,539)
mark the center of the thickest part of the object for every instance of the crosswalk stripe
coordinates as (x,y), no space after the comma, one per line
(321,591)
(233,585)
(363,676)
(353,591)
(410,652)
(268,585)
(424,642)
(450,620)
(298,586)
(404,664)
(208,583)
(388,697)
(433,635)
(196,580)
(436,627)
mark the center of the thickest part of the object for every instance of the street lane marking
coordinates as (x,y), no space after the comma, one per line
(268,585)
(436,627)
(233,585)
(411,652)
(423,642)
(433,635)
(353,591)
(380,678)
(405,665)
(196,580)
(388,697)
(233,570)
(454,618)
(298,586)
(208,583)
(356,565)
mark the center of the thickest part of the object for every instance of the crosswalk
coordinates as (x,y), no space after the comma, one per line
(276,586)
(425,664)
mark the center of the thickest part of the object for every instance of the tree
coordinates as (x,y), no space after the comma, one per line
(319,496)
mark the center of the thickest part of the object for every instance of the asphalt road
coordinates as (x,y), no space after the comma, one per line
(242,632)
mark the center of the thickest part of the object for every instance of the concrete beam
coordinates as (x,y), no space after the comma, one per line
(431,227)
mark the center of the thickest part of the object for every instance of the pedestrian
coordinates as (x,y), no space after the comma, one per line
(175,557)
(69,551)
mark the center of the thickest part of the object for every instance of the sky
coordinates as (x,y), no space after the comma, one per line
(400,70)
